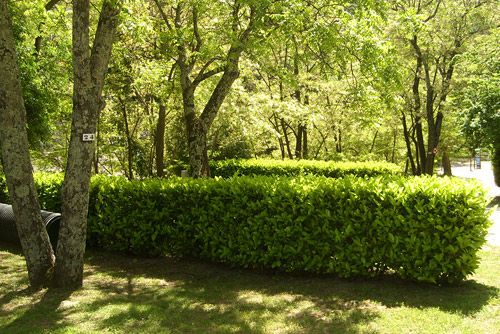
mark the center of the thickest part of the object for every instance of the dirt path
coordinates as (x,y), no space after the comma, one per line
(485,176)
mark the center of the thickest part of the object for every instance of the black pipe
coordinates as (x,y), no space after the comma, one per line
(8,230)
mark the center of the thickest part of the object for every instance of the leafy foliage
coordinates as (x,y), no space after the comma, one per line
(269,167)
(426,229)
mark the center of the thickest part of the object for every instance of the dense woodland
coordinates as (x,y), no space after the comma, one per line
(409,82)
(159,86)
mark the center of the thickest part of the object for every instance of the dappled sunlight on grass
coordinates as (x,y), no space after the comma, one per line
(167,295)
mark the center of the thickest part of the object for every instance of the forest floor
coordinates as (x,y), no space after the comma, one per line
(124,294)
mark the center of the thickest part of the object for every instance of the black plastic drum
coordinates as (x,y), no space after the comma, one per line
(8,230)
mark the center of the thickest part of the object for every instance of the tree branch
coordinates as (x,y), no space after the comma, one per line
(196,31)
(205,75)
(430,17)
(163,15)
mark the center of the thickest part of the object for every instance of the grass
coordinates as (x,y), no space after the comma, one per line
(136,295)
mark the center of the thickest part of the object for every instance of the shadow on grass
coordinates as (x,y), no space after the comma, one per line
(173,295)
(466,298)
(41,317)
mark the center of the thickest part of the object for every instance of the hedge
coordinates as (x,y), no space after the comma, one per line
(425,229)
(269,167)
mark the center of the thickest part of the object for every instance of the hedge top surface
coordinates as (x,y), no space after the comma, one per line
(239,167)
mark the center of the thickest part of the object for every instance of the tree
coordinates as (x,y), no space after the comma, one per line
(436,33)
(16,160)
(89,70)
(478,97)
(210,38)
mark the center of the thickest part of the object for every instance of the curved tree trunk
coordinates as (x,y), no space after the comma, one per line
(16,161)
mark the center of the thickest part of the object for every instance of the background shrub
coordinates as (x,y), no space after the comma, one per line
(269,167)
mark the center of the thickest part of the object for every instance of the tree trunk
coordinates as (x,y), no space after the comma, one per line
(89,69)
(408,145)
(96,153)
(197,148)
(495,162)
(16,161)
(130,148)
(160,141)
(446,163)
(287,140)
(298,142)
(305,144)
(416,110)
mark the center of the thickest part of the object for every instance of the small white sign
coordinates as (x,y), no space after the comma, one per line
(88,137)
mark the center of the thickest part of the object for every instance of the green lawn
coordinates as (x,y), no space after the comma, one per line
(126,294)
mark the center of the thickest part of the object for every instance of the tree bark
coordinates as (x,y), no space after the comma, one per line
(130,149)
(16,161)
(287,140)
(446,163)
(160,141)
(89,69)
(421,154)
(298,142)
(305,144)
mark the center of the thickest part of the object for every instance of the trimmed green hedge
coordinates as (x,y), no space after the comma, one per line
(269,167)
(426,229)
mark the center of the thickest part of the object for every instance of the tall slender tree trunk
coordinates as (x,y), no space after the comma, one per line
(446,163)
(287,140)
(89,69)
(16,161)
(130,148)
(298,142)
(160,141)
(305,144)
(421,153)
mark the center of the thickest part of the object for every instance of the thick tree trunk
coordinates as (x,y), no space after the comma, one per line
(89,69)
(160,141)
(198,155)
(16,161)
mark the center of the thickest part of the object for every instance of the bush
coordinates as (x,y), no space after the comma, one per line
(269,167)
(48,188)
(426,229)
